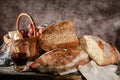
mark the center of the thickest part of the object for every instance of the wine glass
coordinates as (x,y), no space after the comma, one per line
(20,56)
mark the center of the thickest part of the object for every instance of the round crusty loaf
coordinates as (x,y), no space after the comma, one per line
(61,35)
(100,51)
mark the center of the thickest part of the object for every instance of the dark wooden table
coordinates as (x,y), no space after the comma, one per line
(30,77)
(6,73)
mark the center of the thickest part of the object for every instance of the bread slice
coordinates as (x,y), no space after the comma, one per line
(62,61)
(61,35)
(100,51)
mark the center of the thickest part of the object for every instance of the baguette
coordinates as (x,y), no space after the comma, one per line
(62,61)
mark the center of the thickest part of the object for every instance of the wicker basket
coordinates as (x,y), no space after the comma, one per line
(33,41)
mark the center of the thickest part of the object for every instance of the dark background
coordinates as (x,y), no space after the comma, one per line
(95,17)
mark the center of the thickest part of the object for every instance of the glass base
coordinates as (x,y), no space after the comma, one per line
(19,68)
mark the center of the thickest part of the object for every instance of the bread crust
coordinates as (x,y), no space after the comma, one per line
(61,35)
(60,60)
(108,54)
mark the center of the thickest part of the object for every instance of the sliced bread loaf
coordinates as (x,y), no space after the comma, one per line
(61,35)
(100,51)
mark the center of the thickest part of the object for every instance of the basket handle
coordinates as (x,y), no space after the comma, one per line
(31,19)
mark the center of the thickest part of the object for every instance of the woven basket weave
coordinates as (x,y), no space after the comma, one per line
(33,41)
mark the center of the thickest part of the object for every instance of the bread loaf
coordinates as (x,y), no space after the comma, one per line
(62,61)
(61,35)
(100,51)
